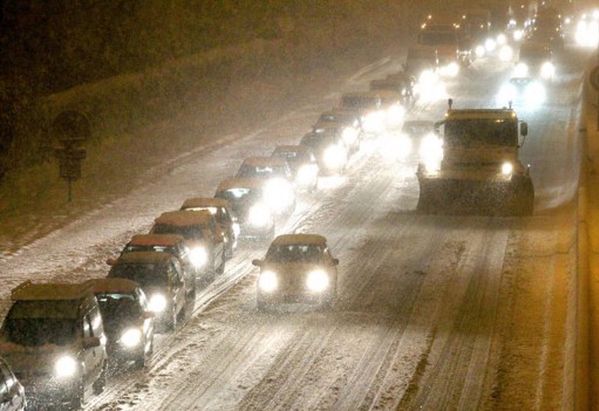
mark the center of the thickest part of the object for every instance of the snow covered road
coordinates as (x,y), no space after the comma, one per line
(433,312)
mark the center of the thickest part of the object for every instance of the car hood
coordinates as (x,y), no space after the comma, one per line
(285,269)
(36,360)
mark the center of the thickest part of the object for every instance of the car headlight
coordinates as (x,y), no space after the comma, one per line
(65,367)
(507,168)
(198,257)
(131,337)
(278,194)
(157,303)
(259,216)
(535,94)
(306,174)
(395,114)
(349,135)
(236,229)
(480,51)
(501,39)
(373,122)
(506,53)
(547,70)
(518,35)
(395,147)
(452,69)
(490,45)
(268,281)
(334,157)
(317,281)
(521,70)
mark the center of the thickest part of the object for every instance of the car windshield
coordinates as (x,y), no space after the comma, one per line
(435,38)
(286,155)
(159,248)
(146,275)
(235,195)
(294,253)
(211,210)
(188,231)
(472,132)
(247,171)
(35,323)
(118,306)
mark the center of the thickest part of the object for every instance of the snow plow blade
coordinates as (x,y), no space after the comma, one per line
(474,197)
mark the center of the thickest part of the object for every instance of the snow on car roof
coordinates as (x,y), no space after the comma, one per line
(144,257)
(263,162)
(288,239)
(165,240)
(50,291)
(113,285)
(465,114)
(204,202)
(240,182)
(184,218)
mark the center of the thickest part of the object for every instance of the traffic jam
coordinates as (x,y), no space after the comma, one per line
(61,343)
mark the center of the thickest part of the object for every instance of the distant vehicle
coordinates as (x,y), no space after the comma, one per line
(421,59)
(221,210)
(535,62)
(161,278)
(167,243)
(203,237)
(378,110)
(400,83)
(12,393)
(348,123)
(475,168)
(420,133)
(277,179)
(298,268)
(302,162)
(128,321)
(251,211)
(53,338)
(329,149)
(445,40)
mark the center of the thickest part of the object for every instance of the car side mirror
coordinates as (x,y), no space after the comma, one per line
(524,129)
(257,263)
(335,261)
(111,261)
(91,342)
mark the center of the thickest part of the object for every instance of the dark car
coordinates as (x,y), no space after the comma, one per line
(298,268)
(203,237)
(348,123)
(400,83)
(251,212)
(128,321)
(330,150)
(53,338)
(302,162)
(12,393)
(221,210)
(161,278)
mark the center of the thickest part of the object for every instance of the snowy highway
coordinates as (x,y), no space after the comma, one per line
(433,312)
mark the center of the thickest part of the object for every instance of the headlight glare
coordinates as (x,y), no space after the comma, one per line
(268,281)
(157,303)
(198,257)
(507,168)
(335,157)
(259,216)
(317,281)
(65,367)
(278,194)
(131,338)
(521,70)
(547,70)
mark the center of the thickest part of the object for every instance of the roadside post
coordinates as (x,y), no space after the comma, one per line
(70,129)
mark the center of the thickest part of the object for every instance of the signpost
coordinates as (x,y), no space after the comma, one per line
(70,128)
(594,80)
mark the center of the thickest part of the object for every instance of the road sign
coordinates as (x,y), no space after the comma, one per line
(71,126)
(594,78)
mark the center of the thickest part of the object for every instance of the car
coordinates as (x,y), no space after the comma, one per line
(249,207)
(302,162)
(160,276)
(535,62)
(329,149)
(297,268)
(128,321)
(203,237)
(475,169)
(419,60)
(400,83)
(443,37)
(53,338)
(419,132)
(279,192)
(193,267)
(12,393)
(221,210)
(368,106)
(348,124)
(524,92)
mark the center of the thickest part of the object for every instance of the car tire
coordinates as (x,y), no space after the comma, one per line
(100,383)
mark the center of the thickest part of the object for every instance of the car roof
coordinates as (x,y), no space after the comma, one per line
(113,285)
(185,218)
(264,162)
(205,202)
(240,182)
(291,148)
(482,114)
(144,257)
(290,239)
(165,240)
(29,291)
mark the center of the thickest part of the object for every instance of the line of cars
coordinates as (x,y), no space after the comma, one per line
(60,338)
